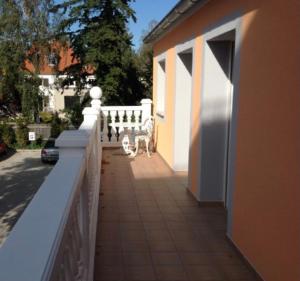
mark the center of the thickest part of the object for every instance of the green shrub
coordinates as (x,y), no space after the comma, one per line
(74,115)
(7,134)
(22,133)
(39,141)
(57,126)
(46,117)
(37,144)
(55,130)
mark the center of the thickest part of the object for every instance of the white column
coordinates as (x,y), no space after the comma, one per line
(146,109)
(90,114)
(96,94)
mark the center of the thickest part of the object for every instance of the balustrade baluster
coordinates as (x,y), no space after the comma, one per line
(61,274)
(129,116)
(85,217)
(121,121)
(78,242)
(72,247)
(67,266)
(137,114)
(113,114)
(104,132)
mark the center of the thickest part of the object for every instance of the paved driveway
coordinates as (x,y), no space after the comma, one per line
(21,175)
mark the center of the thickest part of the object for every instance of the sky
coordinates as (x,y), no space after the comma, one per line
(145,12)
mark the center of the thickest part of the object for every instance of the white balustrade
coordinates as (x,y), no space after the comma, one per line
(135,115)
(54,240)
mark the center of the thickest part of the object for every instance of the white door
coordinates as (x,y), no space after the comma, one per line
(215,120)
(182,120)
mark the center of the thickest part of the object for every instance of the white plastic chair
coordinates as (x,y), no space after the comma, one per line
(145,135)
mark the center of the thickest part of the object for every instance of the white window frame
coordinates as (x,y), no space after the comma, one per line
(161,86)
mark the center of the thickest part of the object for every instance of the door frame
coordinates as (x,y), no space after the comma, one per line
(157,60)
(180,48)
(231,23)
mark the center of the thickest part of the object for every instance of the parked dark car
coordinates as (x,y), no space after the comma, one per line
(50,152)
(3,148)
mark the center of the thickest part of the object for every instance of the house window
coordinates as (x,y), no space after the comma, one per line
(45,82)
(71,101)
(161,88)
(52,59)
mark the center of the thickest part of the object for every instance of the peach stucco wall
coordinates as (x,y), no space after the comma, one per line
(164,128)
(266,199)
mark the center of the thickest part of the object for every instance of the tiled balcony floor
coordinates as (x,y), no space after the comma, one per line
(151,228)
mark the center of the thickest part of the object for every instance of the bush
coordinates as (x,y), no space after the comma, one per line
(7,134)
(39,141)
(22,133)
(46,117)
(57,126)
(37,144)
(74,115)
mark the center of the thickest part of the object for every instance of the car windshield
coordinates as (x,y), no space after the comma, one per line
(50,144)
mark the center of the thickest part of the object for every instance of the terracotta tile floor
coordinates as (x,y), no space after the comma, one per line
(151,228)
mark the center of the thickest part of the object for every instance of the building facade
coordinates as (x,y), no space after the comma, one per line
(56,97)
(226,93)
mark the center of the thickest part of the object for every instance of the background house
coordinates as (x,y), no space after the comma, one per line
(226,102)
(55,96)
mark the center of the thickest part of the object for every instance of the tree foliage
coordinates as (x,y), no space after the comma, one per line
(57,126)
(26,30)
(144,58)
(11,54)
(22,132)
(98,34)
(7,134)
(39,26)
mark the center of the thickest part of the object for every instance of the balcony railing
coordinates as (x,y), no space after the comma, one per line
(55,237)
(117,119)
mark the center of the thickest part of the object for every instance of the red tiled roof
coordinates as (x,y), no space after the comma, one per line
(65,60)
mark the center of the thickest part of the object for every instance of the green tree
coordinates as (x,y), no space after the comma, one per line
(56,126)
(74,114)
(39,28)
(98,34)
(12,54)
(31,98)
(144,59)
(22,132)
(7,134)
(26,30)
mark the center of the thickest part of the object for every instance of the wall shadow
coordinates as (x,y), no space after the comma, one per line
(20,179)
